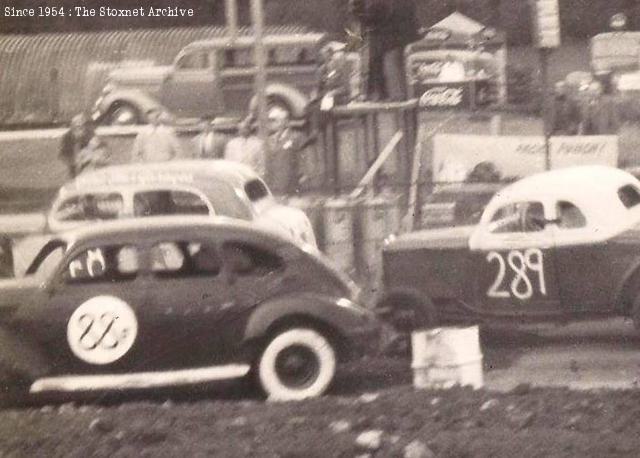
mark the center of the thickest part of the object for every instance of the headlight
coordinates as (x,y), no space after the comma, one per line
(108,88)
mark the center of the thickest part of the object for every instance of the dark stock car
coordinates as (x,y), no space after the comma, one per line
(170,301)
(553,246)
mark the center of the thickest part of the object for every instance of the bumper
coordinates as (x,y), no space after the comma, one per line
(364,339)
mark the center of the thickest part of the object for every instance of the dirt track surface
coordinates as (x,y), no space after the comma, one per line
(373,395)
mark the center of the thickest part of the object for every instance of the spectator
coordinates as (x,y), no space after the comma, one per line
(334,78)
(209,144)
(600,116)
(157,141)
(283,170)
(93,156)
(80,132)
(565,117)
(389,26)
(246,148)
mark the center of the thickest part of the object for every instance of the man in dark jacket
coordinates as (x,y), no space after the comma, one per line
(388,25)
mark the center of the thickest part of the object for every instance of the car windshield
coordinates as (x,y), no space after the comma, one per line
(47,259)
(629,195)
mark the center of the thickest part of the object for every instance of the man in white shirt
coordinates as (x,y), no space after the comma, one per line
(209,144)
(156,142)
(246,148)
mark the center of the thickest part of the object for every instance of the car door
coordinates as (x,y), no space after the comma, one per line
(514,262)
(191,89)
(588,264)
(189,287)
(237,76)
(91,318)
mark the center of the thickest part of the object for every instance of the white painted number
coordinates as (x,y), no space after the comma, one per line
(520,263)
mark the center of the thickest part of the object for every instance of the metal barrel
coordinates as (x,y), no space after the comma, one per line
(378,217)
(338,233)
(312,207)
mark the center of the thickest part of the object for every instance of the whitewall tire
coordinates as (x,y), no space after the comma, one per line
(296,364)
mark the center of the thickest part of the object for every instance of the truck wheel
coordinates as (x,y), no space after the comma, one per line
(297,363)
(123,114)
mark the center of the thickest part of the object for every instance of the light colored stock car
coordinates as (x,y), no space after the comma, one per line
(192,187)
(558,245)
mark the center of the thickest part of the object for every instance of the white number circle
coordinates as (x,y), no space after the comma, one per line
(102,330)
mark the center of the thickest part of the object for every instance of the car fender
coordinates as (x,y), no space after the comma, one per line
(294,97)
(20,357)
(339,314)
(626,286)
(135,97)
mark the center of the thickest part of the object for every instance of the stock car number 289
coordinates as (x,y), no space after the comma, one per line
(520,267)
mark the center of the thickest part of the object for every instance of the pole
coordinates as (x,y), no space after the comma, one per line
(257,17)
(231,13)
(546,106)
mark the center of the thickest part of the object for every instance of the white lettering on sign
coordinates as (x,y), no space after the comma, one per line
(441,97)
(102,330)
(520,264)
(94,265)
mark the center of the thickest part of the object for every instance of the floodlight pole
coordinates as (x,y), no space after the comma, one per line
(257,18)
(546,105)
(231,13)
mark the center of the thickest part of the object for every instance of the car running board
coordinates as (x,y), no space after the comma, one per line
(139,380)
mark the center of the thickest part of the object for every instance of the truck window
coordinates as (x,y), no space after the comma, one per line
(194,61)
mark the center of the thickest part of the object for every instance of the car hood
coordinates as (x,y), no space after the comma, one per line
(142,75)
(445,238)
(288,221)
(22,224)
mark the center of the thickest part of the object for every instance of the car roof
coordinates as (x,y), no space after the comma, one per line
(182,225)
(591,187)
(200,172)
(243,41)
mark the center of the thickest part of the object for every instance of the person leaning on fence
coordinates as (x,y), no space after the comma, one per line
(157,141)
(283,171)
(81,131)
(93,156)
(600,116)
(565,118)
(246,148)
(209,144)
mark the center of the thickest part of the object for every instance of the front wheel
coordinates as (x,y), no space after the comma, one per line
(123,114)
(296,364)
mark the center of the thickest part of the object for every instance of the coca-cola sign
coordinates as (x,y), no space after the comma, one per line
(442,96)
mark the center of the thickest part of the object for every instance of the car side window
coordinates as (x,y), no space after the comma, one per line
(629,196)
(194,61)
(569,216)
(103,263)
(168,202)
(185,259)
(518,217)
(93,206)
(246,259)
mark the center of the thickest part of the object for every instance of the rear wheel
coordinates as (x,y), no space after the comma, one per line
(297,363)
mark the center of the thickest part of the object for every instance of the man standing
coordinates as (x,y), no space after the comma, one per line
(246,148)
(75,140)
(209,144)
(156,142)
(389,26)
(283,170)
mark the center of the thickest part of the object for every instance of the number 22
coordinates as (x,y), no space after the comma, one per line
(519,263)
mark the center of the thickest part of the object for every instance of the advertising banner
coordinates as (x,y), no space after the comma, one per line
(456,156)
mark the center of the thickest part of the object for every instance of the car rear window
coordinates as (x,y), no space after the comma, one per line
(256,190)
(629,195)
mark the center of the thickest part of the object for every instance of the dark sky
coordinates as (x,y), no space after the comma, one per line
(206,12)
